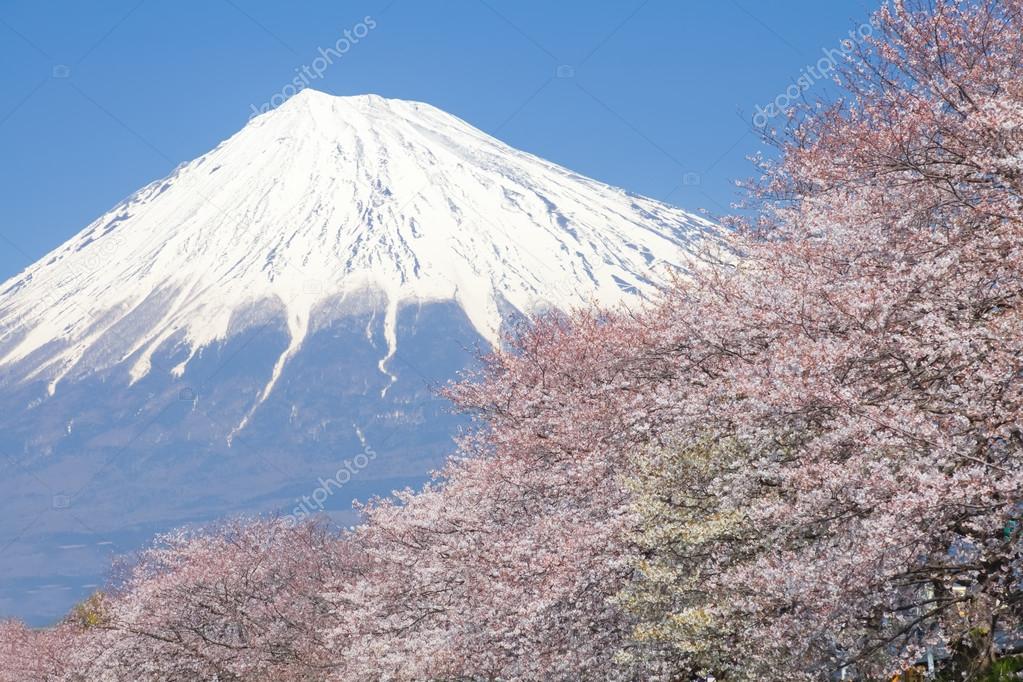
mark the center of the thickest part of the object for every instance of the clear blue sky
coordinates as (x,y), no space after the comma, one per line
(99,98)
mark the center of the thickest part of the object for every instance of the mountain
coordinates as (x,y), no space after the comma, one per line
(226,338)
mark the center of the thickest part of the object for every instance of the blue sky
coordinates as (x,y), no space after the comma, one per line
(655,96)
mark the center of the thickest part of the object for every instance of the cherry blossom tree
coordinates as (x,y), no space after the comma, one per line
(243,600)
(865,355)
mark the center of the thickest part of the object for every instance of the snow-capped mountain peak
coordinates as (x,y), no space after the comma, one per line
(325,199)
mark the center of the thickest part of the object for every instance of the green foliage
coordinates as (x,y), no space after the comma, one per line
(1002,670)
(90,613)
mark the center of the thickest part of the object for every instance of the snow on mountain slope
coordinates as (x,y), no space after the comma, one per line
(324,197)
